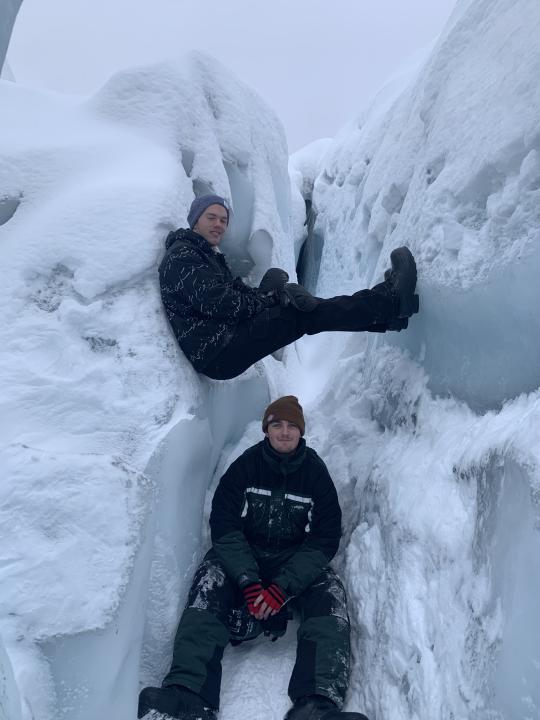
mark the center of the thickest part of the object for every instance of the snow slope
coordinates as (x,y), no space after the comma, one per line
(112,444)
(104,423)
(434,432)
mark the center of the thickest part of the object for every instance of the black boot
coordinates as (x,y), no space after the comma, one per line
(402,280)
(299,297)
(175,701)
(318,707)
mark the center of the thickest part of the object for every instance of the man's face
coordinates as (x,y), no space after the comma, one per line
(212,224)
(283,435)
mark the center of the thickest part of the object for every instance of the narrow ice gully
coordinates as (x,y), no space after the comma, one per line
(112,444)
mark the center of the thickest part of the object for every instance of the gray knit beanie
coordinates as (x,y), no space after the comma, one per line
(199,205)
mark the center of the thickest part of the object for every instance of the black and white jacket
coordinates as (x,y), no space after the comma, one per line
(276,517)
(202,299)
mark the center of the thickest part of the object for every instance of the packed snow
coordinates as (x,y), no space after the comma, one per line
(112,444)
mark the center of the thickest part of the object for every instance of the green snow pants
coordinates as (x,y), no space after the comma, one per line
(323,650)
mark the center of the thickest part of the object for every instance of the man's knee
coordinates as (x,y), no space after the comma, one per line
(325,597)
(211,588)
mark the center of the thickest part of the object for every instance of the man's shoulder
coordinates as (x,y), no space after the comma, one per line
(315,460)
(244,462)
(313,455)
(252,453)
(185,240)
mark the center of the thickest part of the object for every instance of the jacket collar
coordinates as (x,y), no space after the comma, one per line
(283,464)
(187,235)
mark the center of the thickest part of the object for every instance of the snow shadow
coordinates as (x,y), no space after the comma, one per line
(309,258)
(511,536)
(8,207)
(182,468)
(10,701)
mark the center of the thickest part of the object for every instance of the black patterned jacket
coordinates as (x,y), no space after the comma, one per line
(202,299)
(276,518)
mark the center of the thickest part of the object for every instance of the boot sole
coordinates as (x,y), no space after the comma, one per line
(404,268)
(409,306)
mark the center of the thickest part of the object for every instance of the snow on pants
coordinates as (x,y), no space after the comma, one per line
(322,656)
(276,327)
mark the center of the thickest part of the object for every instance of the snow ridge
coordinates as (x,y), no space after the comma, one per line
(103,420)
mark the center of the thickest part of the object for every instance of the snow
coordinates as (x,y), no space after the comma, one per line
(101,412)
(113,444)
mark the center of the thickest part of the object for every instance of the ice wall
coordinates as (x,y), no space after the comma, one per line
(108,435)
(452,170)
(10,703)
(432,434)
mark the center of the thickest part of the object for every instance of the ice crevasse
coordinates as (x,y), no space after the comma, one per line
(112,444)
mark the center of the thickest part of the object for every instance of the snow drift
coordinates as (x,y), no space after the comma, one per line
(103,420)
(435,429)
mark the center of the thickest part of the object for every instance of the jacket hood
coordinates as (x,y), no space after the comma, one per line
(187,235)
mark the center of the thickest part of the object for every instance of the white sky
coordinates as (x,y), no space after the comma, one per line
(316,62)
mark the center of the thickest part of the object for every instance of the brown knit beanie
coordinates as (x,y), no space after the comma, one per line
(285,408)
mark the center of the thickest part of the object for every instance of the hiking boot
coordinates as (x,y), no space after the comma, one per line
(175,701)
(398,324)
(318,707)
(310,707)
(298,297)
(402,280)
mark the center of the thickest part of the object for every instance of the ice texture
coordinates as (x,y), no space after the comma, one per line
(432,434)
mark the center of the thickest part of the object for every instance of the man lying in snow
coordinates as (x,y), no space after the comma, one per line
(224,326)
(275,525)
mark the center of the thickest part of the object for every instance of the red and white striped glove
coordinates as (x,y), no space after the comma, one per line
(251,593)
(264,602)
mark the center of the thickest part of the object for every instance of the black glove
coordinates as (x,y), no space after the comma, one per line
(273,279)
(276,625)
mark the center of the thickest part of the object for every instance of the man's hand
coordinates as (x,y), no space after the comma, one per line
(251,593)
(273,280)
(264,602)
(269,602)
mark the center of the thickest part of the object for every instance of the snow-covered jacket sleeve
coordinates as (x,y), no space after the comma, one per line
(228,539)
(189,277)
(322,541)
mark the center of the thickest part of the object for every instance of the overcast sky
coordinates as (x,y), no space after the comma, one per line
(316,62)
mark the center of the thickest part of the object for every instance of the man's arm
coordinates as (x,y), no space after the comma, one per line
(322,542)
(183,273)
(228,539)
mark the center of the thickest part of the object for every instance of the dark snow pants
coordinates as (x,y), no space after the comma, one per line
(278,326)
(322,656)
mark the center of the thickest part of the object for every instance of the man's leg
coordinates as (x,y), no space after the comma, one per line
(256,338)
(323,653)
(203,633)
(366,310)
(276,327)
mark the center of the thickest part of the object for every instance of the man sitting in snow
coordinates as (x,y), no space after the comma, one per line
(224,326)
(275,525)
